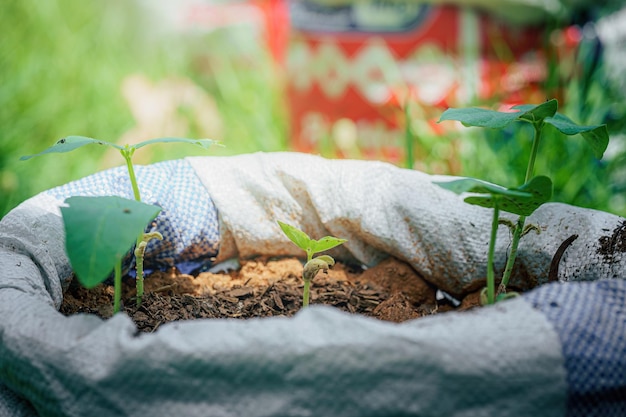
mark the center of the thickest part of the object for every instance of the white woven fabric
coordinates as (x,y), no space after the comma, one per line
(385,210)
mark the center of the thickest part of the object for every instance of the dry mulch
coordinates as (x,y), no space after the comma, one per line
(265,287)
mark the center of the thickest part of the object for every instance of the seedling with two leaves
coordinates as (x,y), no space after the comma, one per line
(525,199)
(100,231)
(313,265)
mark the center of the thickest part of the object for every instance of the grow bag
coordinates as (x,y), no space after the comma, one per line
(557,350)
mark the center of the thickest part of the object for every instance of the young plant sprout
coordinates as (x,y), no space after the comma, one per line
(98,228)
(535,191)
(311,247)
(521,201)
(99,231)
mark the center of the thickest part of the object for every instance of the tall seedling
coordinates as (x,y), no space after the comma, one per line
(525,199)
(101,230)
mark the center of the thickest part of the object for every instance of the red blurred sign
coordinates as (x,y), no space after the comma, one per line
(351,68)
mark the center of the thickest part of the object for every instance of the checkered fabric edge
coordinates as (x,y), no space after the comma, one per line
(590,319)
(188,220)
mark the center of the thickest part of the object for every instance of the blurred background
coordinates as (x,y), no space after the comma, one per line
(366,79)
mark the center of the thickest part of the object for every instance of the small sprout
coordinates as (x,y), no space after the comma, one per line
(311,247)
(484,300)
(508,223)
(506,295)
(502,295)
(530,228)
(140,249)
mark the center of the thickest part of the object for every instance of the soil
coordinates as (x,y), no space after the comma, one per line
(264,287)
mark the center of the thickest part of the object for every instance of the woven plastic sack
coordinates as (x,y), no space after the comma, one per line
(557,350)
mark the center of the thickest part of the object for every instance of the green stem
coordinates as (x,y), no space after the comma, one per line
(139,251)
(408,137)
(127,153)
(117,287)
(490,257)
(307,283)
(519,227)
(508,269)
(305,293)
(533,152)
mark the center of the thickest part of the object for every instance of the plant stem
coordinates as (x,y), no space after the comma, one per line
(533,153)
(519,227)
(305,293)
(127,153)
(117,287)
(139,251)
(517,234)
(490,261)
(408,136)
(307,283)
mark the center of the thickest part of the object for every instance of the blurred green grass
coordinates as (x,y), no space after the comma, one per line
(62,65)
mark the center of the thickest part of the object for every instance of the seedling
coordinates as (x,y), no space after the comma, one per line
(538,116)
(311,247)
(521,201)
(101,230)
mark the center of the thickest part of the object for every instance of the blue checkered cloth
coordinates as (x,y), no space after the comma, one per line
(590,319)
(188,219)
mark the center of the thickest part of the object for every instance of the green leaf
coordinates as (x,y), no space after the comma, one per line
(597,136)
(496,119)
(100,231)
(70,143)
(535,113)
(540,191)
(297,236)
(204,143)
(473,185)
(479,117)
(326,243)
(522,200)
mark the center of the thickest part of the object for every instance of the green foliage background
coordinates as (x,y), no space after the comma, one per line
(62,63)
(589,98)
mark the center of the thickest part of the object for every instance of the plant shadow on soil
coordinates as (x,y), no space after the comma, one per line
(265,287)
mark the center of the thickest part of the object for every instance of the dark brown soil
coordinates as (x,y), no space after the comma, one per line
(265,287)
